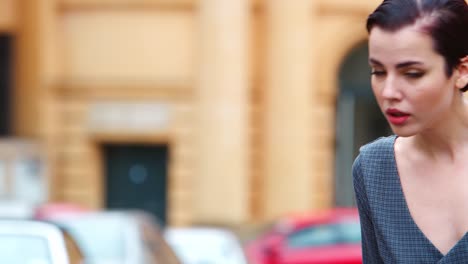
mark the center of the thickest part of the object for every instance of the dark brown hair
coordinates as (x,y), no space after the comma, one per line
(446,21)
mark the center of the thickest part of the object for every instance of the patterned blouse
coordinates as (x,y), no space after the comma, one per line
(389,233)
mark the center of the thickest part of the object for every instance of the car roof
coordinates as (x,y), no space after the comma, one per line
(9,226)
(54,210)
(200,233)
(128,219)
(48,231)
(215,231)
(297,221)
(14,209)
(110,214)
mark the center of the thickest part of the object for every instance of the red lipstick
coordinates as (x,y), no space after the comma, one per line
(396,117)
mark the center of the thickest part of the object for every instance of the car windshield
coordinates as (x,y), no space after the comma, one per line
(323,235)
(205,249)
(16,249)
(100,240)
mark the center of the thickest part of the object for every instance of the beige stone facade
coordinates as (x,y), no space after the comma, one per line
(248,91)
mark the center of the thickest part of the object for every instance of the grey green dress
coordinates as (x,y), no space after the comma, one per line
(389,233)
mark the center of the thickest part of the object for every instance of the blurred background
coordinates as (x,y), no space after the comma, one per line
(200,112)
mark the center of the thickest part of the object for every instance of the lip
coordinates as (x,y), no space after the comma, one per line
(396,117)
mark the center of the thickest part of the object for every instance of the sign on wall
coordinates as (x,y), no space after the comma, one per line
(129,117)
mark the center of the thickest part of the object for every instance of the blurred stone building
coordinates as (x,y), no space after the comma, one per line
(200,111)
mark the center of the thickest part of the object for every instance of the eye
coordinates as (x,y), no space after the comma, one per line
(378,73)
(414,74)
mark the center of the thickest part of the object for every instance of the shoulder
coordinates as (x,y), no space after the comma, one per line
(376,155)
(382,145)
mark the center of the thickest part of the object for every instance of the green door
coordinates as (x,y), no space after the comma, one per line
(6,74)
(136,178)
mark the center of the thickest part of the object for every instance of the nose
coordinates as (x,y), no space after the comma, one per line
(390,90)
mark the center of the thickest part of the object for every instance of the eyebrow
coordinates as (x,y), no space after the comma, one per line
(398,66)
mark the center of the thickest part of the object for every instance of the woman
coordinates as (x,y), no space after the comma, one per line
(412,188)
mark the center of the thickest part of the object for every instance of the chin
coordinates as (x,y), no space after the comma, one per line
(403,131)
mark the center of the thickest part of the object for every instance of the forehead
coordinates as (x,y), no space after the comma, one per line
(407,43)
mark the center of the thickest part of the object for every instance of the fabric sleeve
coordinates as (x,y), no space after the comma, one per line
(370,251)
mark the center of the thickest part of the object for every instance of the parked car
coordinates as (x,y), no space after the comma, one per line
(33,242)
(58,209)
(328,237)
(118,237)
(205,245)
(16,209)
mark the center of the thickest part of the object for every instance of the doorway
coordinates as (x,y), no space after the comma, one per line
(136,178)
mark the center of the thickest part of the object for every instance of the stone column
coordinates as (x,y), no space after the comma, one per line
(288,96)
(40,68)
(221,183)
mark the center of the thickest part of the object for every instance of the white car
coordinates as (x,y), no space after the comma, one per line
(205,245)
(15,209)
(32,242)
(118,237)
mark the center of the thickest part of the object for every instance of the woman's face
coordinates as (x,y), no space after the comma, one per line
(409,80)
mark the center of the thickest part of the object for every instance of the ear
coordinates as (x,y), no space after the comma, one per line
(462,69)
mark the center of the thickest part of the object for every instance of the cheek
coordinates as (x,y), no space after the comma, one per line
(431,98)
(376,91)
(442,96)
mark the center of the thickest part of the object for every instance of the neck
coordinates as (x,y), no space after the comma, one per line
(449,138)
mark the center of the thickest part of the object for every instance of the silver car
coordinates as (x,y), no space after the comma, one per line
(33,242)
(118,237)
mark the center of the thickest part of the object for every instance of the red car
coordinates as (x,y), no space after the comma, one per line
(328,237)
(49,211)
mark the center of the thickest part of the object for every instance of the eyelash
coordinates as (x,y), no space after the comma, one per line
(377,73)
(413,75)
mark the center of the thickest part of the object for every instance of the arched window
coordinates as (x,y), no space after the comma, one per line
(358,121)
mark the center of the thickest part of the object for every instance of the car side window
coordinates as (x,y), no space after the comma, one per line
(149,243)
(323,235)
(74,252)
